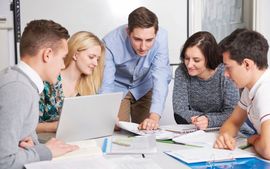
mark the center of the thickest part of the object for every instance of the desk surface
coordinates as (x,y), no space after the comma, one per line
(163,160)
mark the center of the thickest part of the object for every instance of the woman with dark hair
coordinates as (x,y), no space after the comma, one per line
(202,95)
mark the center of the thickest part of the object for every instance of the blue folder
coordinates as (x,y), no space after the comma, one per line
(241,163)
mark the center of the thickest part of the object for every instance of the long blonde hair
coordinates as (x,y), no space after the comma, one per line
(83,40)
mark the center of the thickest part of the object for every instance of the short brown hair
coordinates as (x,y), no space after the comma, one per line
(142,18)
(41,33)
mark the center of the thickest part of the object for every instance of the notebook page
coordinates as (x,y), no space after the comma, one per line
(197,138)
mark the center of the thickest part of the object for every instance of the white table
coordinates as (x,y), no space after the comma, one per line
(163,160)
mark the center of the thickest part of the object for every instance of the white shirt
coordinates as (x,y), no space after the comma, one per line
(257,101)
(32,74)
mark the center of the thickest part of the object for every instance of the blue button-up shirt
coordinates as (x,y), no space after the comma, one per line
(126,71)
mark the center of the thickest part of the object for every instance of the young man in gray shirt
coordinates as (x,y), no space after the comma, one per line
(43,47)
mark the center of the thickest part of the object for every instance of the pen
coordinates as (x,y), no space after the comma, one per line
(203,114)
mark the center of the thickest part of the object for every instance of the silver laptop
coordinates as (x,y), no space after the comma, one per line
(87,117)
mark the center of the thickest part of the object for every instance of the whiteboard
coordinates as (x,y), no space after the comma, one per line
(102,16)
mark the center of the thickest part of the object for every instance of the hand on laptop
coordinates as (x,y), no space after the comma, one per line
(59,148)
(26,142)
(151,123)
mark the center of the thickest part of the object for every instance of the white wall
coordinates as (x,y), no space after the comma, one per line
(7,57)
(261,16)
(101,16)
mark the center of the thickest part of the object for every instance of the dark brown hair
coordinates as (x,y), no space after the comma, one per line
(247,44)
(207,44)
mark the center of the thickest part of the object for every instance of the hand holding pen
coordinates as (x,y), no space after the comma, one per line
(200,121)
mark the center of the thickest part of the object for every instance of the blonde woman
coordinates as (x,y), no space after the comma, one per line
(82,76)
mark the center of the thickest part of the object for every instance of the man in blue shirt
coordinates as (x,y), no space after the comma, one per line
(137,63)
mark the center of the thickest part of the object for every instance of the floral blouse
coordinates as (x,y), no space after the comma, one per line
(51,101)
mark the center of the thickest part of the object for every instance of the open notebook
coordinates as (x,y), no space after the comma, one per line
(201,138)
(201,148)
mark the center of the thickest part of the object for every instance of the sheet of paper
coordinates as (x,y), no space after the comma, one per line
(205,154)
(197,138)
(96,162)
(129,162)
(87,148)
(131,145)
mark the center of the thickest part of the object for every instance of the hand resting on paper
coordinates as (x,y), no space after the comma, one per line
(59,148)
(225,141)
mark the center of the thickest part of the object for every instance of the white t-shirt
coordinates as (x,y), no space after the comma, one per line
(257,101)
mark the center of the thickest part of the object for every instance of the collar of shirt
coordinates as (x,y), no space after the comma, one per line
(256,86)
(32,74)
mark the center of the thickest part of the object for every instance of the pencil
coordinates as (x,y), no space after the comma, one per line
(121,144)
